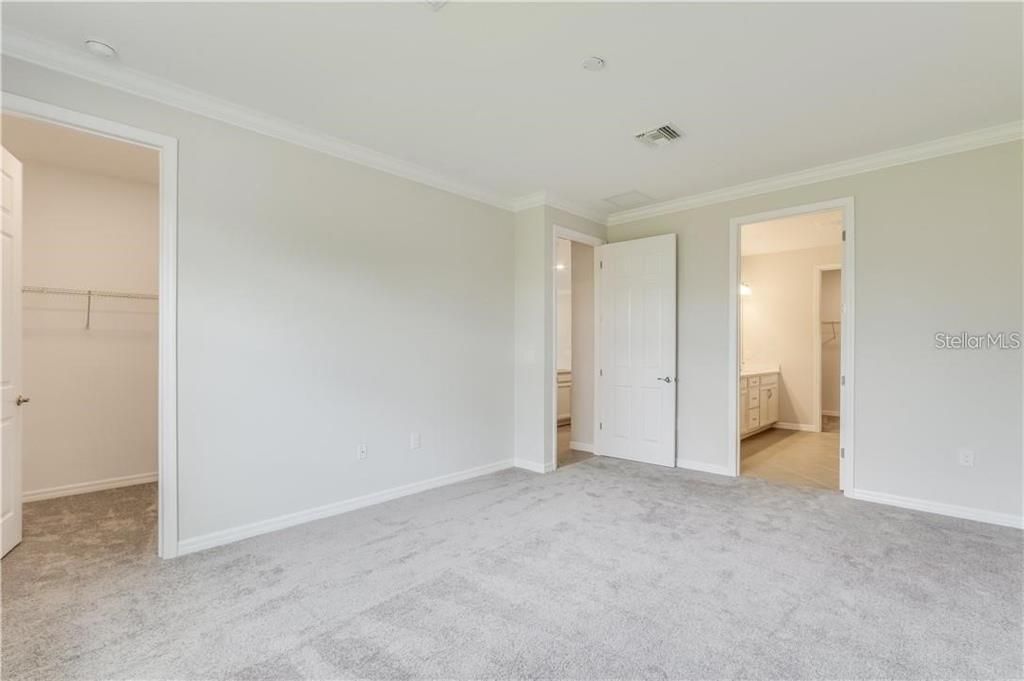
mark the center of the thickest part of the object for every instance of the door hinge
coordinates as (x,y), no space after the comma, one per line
(842,380)
(600,372)
(842,453)
(600,425)
(601,264)
(844,235)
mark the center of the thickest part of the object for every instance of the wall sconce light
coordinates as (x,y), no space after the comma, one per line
(745,290)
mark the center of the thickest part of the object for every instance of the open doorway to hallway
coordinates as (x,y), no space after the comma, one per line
(574,356)
(790,347)
(82,251)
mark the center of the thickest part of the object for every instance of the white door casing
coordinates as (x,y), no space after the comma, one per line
(10,355)
(637,350)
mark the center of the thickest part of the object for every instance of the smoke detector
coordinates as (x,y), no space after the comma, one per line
(658,137)
(630,199)
(100,49)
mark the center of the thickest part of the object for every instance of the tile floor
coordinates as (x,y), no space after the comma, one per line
(794,457)
(566,455)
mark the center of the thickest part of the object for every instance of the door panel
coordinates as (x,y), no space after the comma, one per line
(637,339)
(10,354)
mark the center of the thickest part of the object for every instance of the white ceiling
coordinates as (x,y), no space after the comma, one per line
(811,230)
(494,94)
(30,139)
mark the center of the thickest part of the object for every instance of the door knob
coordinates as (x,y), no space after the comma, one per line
(667,379)
(22,400)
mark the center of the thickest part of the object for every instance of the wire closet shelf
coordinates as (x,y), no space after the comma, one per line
(89,294)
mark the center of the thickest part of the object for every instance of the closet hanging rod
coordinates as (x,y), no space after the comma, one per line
(88,292)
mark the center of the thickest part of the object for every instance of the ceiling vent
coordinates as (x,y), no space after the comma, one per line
(658,137)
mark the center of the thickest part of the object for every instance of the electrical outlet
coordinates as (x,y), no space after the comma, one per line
(965,457)
(414,440)
(362,451)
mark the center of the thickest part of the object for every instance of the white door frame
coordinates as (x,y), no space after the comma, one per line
(819,270)
(559,232)
(846,369)
(167,400)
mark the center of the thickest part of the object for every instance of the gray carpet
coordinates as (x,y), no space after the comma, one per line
(604,569)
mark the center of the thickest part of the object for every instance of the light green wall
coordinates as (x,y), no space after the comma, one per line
(938,248)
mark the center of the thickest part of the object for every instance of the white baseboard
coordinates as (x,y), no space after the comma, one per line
(581,446)
(534,466)
(691,465)
(807,427)
(965,512)
(234,534)
(829,412)
(86,487)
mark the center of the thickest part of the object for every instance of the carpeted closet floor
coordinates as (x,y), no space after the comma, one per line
(604,569)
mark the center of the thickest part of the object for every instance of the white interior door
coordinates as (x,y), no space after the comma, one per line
(10,355)
(637,341)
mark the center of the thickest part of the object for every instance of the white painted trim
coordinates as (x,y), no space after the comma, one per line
(521,203)
(704,467)
(536,199)
(816,337)
(805,427)
(167,397)
(62,59)
(965,512)
(732,421)
(598,431)
(581,446)
(114,75)
(975,139)
(559,232)
(86,487)
(533,466)
(846,435)
(578,236)
(234,534)
(829,412)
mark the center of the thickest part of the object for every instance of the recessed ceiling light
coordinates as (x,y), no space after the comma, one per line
(560,266)
(100,49)
(593,63)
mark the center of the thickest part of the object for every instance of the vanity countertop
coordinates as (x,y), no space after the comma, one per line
(758,371)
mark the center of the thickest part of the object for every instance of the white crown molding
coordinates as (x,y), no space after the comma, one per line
(547,199)
(111,74)
(59,58)
(976,139)
(528,201)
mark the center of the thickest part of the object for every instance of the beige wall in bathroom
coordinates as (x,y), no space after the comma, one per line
(831,306)
(777,322)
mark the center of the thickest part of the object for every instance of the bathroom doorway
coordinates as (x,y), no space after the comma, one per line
(792,299)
